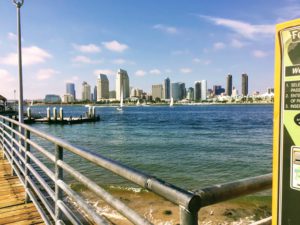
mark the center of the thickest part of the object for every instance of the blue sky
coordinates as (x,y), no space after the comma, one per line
(184,40)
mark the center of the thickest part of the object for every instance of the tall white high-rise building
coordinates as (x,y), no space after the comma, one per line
(86,91)
(122,84)
(102,87)
(203,90)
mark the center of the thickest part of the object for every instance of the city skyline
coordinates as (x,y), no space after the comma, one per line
(186,42)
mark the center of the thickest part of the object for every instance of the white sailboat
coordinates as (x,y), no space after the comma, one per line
(120,108)
(138,103)
(171,102)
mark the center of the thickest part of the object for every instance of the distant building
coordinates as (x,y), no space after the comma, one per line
(244,84)
(135,92)
(182,93)
(102,87)
(197,91)
(204,90)
(95,94)
(52,98)
(122,84)
(218,90)
(86,92)
(270,91)
(235,92)
(190,94)
(112,94)
(157,91)
(167,89)
(68,98)
(175,91)
(70,89)
(229,85)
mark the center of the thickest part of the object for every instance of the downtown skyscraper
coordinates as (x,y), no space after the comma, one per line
(86,91)
(102,87)
(70,89)
(167,88)
(122,84)
(229,85)
(244,84)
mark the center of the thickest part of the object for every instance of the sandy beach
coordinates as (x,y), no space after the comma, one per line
(239,211)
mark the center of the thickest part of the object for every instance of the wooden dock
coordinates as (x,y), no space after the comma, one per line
(13,209)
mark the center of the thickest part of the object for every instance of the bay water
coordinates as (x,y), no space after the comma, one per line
(189,146)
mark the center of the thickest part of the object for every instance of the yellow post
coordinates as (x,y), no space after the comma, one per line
(286,130)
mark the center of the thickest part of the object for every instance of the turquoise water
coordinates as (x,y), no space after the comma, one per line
(189,146)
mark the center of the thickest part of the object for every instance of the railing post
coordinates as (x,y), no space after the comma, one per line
(12,136)
(2,137)
(58,176)
(27,161)
(187,217)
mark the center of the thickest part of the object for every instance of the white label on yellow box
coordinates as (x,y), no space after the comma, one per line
(295,168)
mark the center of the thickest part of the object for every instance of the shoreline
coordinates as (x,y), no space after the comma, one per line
(243,210)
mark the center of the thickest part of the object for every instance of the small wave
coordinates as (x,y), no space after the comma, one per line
(132,189)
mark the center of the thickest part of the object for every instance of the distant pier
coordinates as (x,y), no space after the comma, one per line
(59,118)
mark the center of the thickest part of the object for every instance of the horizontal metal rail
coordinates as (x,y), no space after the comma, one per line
(222,192)
(52,203)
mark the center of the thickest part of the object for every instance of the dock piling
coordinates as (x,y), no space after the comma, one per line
(48,114)
(61,114)
(29,113)
(54,114)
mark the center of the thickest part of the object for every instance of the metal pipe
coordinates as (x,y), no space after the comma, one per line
(187,217)
(27,161)
(39,208)
(68,213)
(42,198)
(19,5)
(223,192)
(85,206)
(41,181)
(107,197)
(47,171)
(58,176)
(174,194)
(42,150)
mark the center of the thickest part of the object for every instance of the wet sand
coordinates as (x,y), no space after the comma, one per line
(161,212)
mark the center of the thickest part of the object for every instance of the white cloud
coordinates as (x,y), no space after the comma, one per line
(5,76)
(155,72)
(244,29)
(45,74)
(115,46)
(166,29)
(11,36)
(104,71)
(237,44)
(202,61)
(219,45)
(180,52)
(185,70)
(90,48)
(30,56)
(259,54)
(119,61)
(84,59)
(168,71)
(140,73)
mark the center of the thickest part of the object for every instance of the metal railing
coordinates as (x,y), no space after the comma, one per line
(47,189)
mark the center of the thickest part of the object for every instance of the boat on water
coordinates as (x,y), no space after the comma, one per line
(171,102)
(120,108)
(138,103)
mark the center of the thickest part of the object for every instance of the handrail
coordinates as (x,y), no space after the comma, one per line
(17,144)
